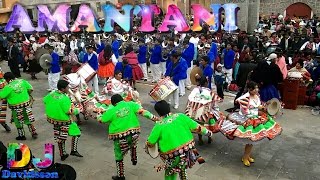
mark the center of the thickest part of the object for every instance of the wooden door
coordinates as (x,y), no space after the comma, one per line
(300,10)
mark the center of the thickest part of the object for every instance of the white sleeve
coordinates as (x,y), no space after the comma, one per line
(114,59)
(303,46)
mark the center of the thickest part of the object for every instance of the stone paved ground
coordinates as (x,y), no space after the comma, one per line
(293,155)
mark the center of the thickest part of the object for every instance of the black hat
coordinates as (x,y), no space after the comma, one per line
(162,108)
(90,46)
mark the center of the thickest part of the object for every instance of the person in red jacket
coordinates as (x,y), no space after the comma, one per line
(132,58)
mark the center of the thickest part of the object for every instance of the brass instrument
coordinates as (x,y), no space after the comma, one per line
(125,37)
(201,46)
(165,44)
(134,38)
(165,53)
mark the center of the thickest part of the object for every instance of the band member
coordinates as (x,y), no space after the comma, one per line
(115,46)
(177,71)
(17,92)
(92,59)
(206,69)
(174,136)
(59,112)
(142,58)
(227,57)
(155,59)
(188,54)
(4,105)
(251,123)
(54,71)
(124,129)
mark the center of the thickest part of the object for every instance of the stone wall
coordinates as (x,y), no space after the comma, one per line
(279,6)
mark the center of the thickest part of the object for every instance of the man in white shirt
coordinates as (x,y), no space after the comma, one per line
(73,43)
(195,40)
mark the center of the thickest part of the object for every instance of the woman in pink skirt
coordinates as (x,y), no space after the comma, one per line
(132,58)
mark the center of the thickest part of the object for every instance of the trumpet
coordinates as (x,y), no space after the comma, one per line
(201,46)
(165,44)
(125,37)
(119,37)
(176,43)
(134,38)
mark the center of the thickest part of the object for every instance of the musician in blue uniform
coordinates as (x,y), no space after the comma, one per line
(206,69)
(125,69)
(115,46)
(142,58)
(188,54)
(176,70)
(92,59)
(155,59)
(213,52)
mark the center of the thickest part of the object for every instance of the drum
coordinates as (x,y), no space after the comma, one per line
(153,151)
(273,106)
(199,105)
(86,72)
(163,89)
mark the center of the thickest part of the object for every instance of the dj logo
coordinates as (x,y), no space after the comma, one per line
(24,161)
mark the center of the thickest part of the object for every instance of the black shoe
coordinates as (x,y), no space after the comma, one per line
(118,178)
(145,79)
(64,157)
(35,136)
(134,162)
(22,138)
(75,153)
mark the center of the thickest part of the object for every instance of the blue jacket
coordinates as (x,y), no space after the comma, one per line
(219,79)
(213,52)
(228,58)
(115,48)
(156,55)
(208,73)
(55,66)
(81,56)
(126,70)
(93,62)
(142,55)
(177,72)
(188,54)
(100,47)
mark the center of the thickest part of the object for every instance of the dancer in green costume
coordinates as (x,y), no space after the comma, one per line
(17,93)
(124,129)
(60,112)
(4,104)
(173,134)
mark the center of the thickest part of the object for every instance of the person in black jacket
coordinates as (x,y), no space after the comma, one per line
(13,61)
(268,75)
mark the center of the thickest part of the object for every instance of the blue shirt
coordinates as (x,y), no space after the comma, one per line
(142,55)
(115,48)
(188,54)
(92,59)
(213,53)
(126,70)
(156,55)
(177,71)
(228,58)
(100,47)
(208,73)
(55,66)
